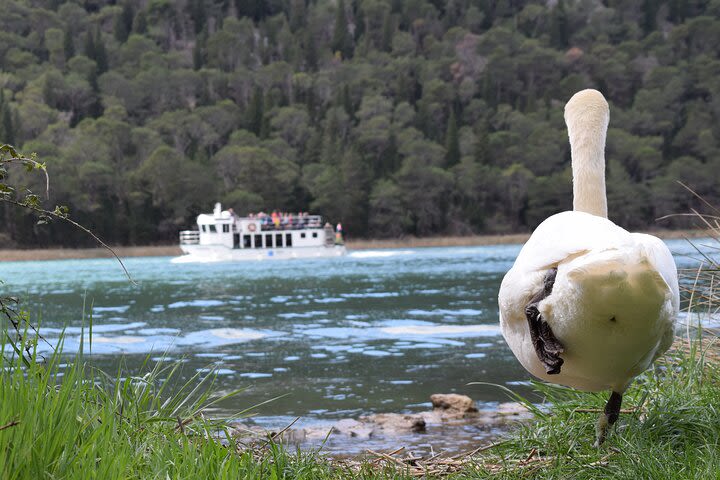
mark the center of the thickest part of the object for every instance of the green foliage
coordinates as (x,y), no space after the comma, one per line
(82,423)
(462,98)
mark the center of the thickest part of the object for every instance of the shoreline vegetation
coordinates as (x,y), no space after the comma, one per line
(670,429)
(19,255)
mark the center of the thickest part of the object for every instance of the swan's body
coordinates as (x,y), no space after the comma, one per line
(612,298)
(612,307)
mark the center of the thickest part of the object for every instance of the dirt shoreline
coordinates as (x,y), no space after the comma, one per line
(18,255)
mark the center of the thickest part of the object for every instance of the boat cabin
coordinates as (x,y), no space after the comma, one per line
(223,228)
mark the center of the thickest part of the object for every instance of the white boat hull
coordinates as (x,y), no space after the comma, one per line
(217,253)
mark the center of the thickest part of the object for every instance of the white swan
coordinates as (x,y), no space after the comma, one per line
(588,304)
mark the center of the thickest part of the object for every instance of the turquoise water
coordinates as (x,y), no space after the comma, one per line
(376,331)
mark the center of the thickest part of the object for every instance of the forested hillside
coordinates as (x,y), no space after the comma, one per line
(395,117)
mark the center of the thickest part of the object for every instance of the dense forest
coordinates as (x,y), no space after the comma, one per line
(395,117)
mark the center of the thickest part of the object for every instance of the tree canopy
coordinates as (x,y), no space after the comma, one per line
(391,116)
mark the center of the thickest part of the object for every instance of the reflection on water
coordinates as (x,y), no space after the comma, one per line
(372,332)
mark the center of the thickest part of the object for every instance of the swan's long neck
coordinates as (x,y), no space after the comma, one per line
(588,167)
(587,116)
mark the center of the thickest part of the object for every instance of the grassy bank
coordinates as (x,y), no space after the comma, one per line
(670,428)
(11,255)
(72,422)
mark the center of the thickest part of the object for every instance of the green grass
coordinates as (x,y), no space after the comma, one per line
(74,422)
(675,432)
(70,421)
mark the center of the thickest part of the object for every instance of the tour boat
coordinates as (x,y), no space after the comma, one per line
(224,236)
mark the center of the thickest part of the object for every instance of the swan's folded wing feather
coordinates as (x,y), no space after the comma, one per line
(659,256)
(567,234)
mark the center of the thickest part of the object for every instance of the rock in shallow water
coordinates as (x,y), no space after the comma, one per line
(451,413)
(453,405)
(395,423)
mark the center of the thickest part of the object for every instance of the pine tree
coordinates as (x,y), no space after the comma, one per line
(140,23)
(311,54)
(482,145)
(388,159)
(559,29)
(198,15)
(298,15)
(100,53)
(254,115)
(313,149)
(650,10)
(388,29)
(89,47)
(265,120)
(7,132)
(678,10)
(199,50)
(360,24)
(68,45)
(96,107)
(341,40)
(452,141)
(123,24)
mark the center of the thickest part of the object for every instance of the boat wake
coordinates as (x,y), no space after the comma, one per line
(380,253)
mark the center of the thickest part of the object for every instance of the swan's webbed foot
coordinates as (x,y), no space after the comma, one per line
(608,419)
(547,346)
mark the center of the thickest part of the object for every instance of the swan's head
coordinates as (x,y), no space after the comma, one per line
(586,112)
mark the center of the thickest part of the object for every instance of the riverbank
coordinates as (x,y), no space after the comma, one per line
(18,255)
(669,428)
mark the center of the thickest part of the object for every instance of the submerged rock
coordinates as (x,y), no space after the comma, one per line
(395,423)
(453,405)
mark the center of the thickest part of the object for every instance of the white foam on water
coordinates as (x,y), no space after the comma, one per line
(118,309)
(443,330)
(197,303)
(475,355)
(118,339)
(194,259)
(380,253)
(255,375)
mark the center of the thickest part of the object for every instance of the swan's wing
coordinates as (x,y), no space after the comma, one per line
(659,256)
(559,238)
(567,234)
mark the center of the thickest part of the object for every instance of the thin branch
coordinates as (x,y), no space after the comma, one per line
(35,163)
(75,224)
(11,424)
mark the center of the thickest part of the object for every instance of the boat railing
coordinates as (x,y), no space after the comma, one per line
(189,237)
(296,223)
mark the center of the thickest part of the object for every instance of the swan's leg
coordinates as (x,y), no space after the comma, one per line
(547,346)
(608,419)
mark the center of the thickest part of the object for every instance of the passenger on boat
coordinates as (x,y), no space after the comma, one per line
(338,235)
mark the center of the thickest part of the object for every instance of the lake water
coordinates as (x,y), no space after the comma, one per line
(376,331)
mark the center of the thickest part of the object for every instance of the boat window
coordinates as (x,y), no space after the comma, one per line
(258,241)
(226,228)
(268,240)
(302,235)
(212,228)
(278,240)
(203,228)
(288,239)
(314,234)
(247,241)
